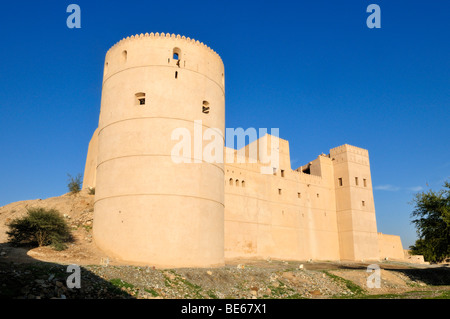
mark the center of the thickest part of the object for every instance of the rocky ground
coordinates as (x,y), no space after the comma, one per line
(41,273)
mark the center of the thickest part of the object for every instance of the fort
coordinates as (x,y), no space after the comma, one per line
(152,209)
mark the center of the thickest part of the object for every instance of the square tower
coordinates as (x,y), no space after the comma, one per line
(355,208)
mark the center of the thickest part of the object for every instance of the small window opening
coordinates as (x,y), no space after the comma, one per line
(340,181)
(356,181)
(176,54)
(205,107)
(243,183)
(299,195)
(279,191)
(282,173)
(140,98)
(237,182)
(176,74)
(363,203)
(365,182)
(317,195)
(231,182)
(124,55)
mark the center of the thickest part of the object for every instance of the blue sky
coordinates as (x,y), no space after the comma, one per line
(313,69)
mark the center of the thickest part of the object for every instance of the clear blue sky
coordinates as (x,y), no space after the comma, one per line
(310,68)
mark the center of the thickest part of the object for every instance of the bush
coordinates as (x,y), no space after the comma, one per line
(74,184)
(40,227)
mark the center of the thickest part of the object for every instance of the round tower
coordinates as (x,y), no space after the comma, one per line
(150,209)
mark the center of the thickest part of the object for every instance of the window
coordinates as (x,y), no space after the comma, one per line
(279,191)
(365,182)
(124,56)
(205,107)
(299,195)
(231,182)
(356,181)
(317,195)
(140,98)
(176,54)
(176,74)
(363,203)
(237,182)
(282,173)
(243,183)
(340,181)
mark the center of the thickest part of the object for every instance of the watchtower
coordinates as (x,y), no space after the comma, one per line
(150,209)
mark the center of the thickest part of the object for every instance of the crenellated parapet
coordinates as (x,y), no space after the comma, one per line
(163,36)
(164,50)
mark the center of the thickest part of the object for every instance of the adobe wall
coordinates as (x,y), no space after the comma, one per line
(390,247)
(285,215)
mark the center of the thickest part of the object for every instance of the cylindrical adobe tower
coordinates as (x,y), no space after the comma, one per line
(150,209)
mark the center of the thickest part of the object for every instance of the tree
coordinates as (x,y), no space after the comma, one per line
(431,218)
(74,184)
(40,227)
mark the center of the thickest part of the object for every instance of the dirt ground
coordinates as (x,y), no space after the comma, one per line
(41,272)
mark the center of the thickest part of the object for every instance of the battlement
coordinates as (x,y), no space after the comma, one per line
(163,35)
(350,149)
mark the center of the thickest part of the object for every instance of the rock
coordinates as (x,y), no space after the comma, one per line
(50,278)
(2,253)
(209,272)
(39,281)
(240,266)
(315,293)
(300,267)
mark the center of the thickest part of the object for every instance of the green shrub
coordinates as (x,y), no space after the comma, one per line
(40,227)
(74,184)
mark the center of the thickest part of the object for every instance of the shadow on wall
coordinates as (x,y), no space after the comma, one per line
(34,279)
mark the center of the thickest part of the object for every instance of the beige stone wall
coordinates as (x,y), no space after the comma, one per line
(390,247)
(90,170)
(303,213)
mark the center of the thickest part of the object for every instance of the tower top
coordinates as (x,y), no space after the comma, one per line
(164,49)
(163,35)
